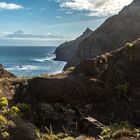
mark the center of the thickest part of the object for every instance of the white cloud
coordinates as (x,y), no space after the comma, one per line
(20,38)
(69,12)
(59,17)
(10,6)
(95,7)
(48,33)
(42,9)
(20,35)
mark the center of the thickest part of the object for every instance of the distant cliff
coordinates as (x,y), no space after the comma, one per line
(113,33)
(66,50)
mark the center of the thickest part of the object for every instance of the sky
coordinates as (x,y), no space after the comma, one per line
(51,22)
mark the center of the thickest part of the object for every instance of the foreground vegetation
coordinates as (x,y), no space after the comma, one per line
(10,112)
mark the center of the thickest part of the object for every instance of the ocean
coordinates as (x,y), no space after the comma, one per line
(30,61)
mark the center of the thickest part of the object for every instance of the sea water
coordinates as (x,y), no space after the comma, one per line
(30,61)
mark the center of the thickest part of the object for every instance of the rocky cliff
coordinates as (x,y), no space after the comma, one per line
(112,34)
(67,49)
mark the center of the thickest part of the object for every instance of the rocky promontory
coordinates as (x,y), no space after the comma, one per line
(66,50)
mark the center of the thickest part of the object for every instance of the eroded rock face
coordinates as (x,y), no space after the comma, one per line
(66,50)
(112,34)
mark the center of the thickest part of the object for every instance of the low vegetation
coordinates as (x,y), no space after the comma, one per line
(129,45)
(9,113)
(122,89)
(124,129)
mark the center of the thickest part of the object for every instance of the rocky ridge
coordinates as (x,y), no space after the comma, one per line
(66,50)
(112,34)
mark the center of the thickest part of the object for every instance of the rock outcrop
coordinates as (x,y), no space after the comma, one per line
(66,50)
(112,34)
(4,73)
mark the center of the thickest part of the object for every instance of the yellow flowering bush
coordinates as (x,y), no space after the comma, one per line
(2,120)
(5,135)
(9,112)
(105,131)
(14,111)
(3,102)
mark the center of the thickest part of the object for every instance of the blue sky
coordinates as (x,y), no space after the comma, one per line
(52,22)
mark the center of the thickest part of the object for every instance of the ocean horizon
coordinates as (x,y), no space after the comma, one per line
(30,60)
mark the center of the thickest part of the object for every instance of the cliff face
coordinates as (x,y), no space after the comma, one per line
(66,50)
(112,34)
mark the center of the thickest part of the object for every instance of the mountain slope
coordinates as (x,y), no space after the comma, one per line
(67,49)
(113,33)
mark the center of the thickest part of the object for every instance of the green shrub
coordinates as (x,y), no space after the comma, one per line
(129,45)
(122,89)
(23,107)
(117,130)
(14,112)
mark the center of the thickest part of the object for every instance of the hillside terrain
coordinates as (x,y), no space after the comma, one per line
(100,96)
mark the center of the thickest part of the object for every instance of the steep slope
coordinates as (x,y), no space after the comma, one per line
(67,49)
(113,33)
